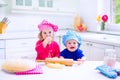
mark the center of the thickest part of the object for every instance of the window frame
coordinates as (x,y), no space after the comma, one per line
(111,26)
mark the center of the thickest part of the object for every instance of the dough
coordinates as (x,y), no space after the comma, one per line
(55,65)
(17,65)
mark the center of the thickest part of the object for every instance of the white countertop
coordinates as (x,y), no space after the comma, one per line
(107,39)
(87,36)
(85,71)
(101,38)
(17,35)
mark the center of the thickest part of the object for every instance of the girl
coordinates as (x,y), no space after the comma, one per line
(72,43)
(46,46)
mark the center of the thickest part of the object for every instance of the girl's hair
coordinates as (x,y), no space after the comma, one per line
(40,35)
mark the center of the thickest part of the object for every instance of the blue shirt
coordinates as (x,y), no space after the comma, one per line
(78,54)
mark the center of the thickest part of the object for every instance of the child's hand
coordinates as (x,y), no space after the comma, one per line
(48,40)
(80,61)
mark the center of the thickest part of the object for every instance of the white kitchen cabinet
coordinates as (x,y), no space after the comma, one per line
(32,4)
(18,48)
(94,51)
(2,49)
(15,47)
(117,49)
(2,56)
(44,6)
(58,38)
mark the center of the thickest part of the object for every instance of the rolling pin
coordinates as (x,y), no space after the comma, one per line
(67,62)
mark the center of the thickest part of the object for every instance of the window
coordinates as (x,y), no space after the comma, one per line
(115,11)
(111,7)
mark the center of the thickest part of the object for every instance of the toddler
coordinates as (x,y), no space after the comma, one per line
(72,43)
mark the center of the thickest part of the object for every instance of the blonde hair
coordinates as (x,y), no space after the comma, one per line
(40,35)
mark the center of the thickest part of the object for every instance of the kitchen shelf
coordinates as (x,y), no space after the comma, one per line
(44,12)
(35,8)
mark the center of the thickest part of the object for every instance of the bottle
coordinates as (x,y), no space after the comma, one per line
(110,57)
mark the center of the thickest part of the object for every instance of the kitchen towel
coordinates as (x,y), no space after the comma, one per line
(36,70)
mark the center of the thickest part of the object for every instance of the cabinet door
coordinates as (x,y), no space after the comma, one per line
(2,49)
(118,53)
(32,4)
(59,41)
(85,47)
(2,53)
(45,3)
(22,4)
(94,51)
(44,7)
(20,48)
(98,51)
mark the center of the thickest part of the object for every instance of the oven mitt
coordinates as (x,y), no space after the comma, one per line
(117,71)
(107,71)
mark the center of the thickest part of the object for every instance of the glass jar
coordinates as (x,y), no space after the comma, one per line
(110,57)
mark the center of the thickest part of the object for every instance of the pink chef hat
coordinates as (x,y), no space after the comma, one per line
(46,24)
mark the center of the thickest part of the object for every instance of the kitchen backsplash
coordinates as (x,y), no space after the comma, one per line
(29,22)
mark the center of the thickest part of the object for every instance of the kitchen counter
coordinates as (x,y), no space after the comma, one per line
(87,36)
(17,35)
(85,71)
(107,39)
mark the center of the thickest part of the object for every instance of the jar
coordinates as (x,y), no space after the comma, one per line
(110,57)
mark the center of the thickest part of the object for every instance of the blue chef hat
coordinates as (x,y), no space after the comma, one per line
(71,35)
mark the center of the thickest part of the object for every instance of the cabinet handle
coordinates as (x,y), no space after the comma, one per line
(87,44)
(90,44)
(24,43)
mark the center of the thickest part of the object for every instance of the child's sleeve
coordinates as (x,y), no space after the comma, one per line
(40,49)
(80,54)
